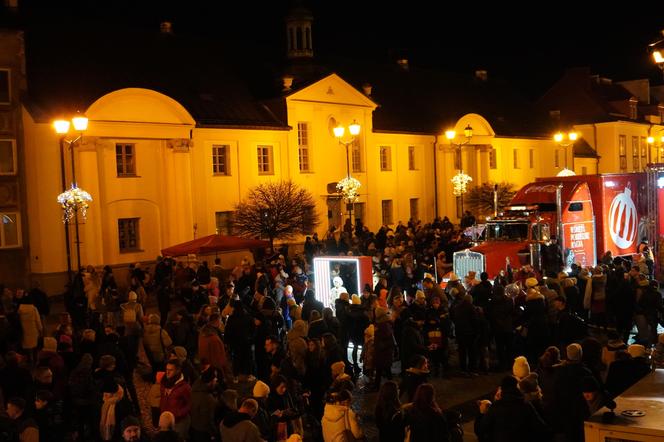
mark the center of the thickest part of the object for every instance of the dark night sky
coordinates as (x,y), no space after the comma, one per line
(526,46)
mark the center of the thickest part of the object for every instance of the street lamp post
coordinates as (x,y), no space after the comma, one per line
(565,140)
(74,199)
(349,185)
(460,180)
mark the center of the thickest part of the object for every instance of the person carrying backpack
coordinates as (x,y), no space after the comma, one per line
(132,315)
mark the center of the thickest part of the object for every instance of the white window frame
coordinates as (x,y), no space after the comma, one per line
(123,156)
(138,236)
(265,151)
(9,85)
(414,203)
(356,160)
(493,158)
(622,153)
(14,159)
(216,170)
(636,166)
(385,157)
(412,158)
(304,146)
(19,233)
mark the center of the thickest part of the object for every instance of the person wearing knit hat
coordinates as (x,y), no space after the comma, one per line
(520,368)
(355,300)
(131,429)
(530,388)
(337,369)
(420,297)
(574,352)
(180,353)
(132,296)
(260,390)
(50,344)
(344,296)
(454,277)
(294,438)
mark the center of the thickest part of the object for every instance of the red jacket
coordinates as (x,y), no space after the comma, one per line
(211,348)
(177,400)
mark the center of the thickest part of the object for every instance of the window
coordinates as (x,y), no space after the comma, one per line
(635,153)
(224,222)
(531,158)
(125,158)
(220,156)
(644,152)
(265,160)
(515,155)
(303,146)
(385,158)
(10,234)
(575,207)
(386,206)
(415,208)
(556,159)
(356,156)
(411,158)
(7,157)
(5,89)
(493,163)
(622,152)
(128,235)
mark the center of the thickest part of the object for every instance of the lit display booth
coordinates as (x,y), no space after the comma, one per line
(334,275)
(638,416)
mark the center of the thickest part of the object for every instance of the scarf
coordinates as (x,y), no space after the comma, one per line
(107,422)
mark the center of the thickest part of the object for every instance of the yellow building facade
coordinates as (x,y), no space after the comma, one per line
(158,178)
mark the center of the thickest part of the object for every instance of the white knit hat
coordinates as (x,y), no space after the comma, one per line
(521,368)
(261,389)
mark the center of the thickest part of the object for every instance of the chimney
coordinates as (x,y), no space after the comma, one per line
(403,63)
(287,82)
(366,88)
(481,75)
(166,27)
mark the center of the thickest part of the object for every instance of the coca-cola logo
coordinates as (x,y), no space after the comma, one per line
(623,219)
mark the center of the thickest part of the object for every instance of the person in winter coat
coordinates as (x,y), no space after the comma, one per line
(211,347)
(203,407)
(114,409)
(388,416)
(466,325)
(317,326)
(48,357)
(357,321)
(238,334)
(156,342)
(262,419)
(297,345)
(281,406)
(501,318)
(31,326)
(412,344)
(310,304)
(383,348)
(237,426)
(415,376)
(25,428)
(339,417)
(510,418)
(176,397)
(534,324)
(424,417)
(627,370)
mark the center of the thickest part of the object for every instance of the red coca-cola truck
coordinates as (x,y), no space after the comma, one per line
(589,214)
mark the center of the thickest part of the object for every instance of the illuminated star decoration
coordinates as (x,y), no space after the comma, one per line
(72,201)
(349,188)
(460,181)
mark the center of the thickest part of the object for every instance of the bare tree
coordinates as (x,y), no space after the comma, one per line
(480,198)
(279,210)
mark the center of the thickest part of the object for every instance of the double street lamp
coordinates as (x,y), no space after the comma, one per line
(565,140)
(461,179)
(348,186)
(73,199)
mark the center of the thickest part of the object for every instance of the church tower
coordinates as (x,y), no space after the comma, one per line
(298,32)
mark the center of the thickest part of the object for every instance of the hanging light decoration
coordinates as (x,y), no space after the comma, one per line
(72,201)
(566,172)
(460,182)
(349,187)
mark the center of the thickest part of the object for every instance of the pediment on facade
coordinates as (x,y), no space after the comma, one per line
(333,90)
(139,106)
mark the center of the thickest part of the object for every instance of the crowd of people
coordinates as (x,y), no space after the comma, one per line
(250,353)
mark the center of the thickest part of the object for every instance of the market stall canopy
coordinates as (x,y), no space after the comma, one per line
(214,243)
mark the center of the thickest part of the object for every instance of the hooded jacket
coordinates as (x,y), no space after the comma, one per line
(211,348)
(203,406)
(177,400)
(336,419)
(237,427)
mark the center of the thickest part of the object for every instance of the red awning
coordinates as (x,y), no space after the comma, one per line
(214,243)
